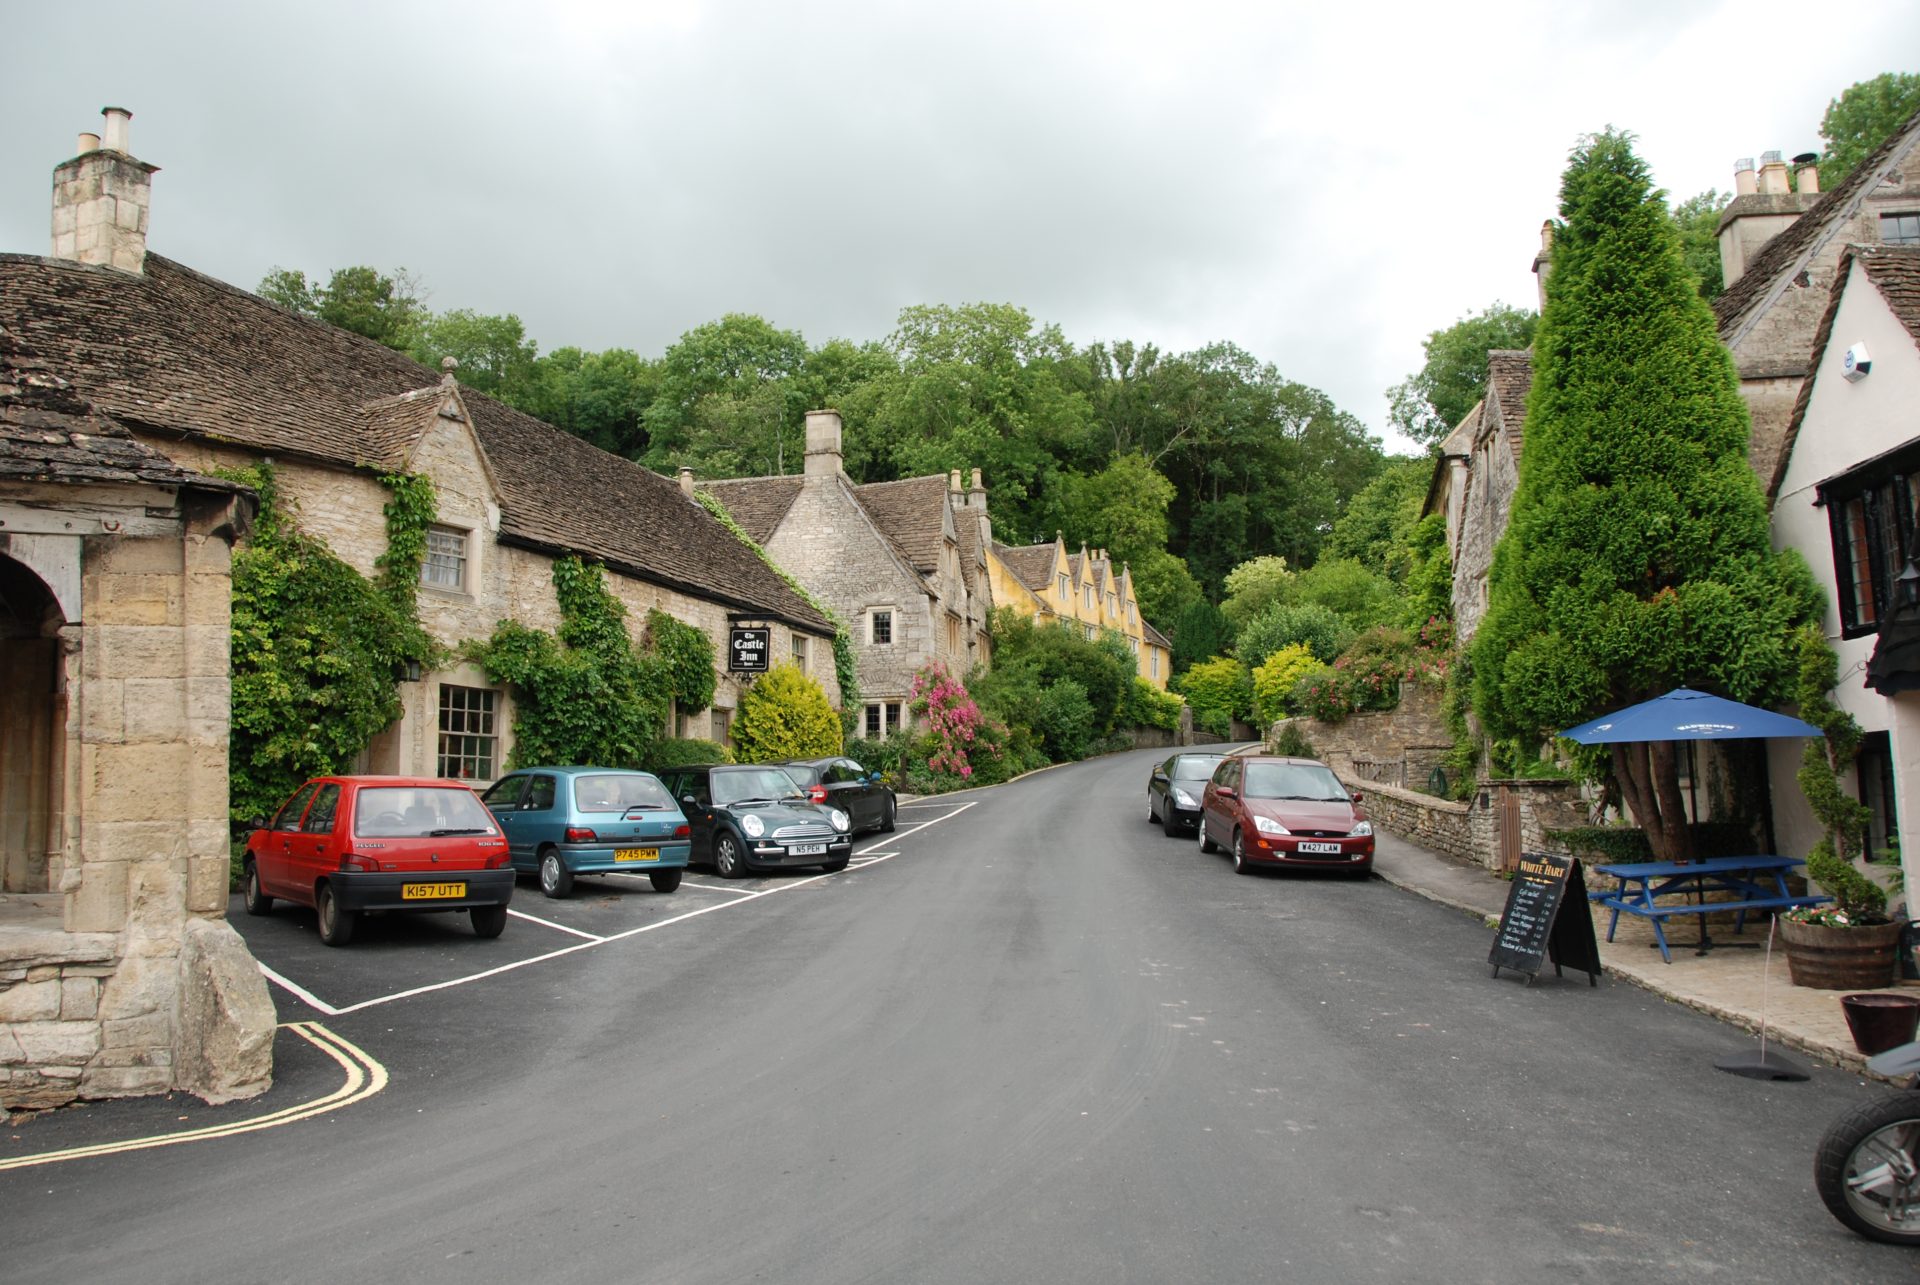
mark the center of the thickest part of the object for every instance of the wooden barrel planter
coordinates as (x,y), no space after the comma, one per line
(1852,958)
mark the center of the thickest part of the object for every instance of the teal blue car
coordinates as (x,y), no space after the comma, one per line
(566,821)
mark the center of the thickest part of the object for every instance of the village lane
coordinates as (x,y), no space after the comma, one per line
(1043,1042)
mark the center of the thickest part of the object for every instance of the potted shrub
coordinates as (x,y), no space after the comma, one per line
(1849,944)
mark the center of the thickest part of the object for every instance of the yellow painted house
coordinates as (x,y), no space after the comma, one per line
(1048,583)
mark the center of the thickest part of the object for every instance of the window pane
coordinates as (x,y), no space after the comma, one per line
(320,815)
(289,816)
(1900,229)
(445,564)
(467,739)
(882,626)
(416,811)
(1857,564)
(874,730)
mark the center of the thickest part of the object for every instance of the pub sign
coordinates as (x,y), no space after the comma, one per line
(748,649)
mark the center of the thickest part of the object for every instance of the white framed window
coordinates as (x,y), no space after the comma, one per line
(445,563)
(800,652)
(1088,594)
(1154,663)
(468,744)
(1063,586)
(880,626)
(883,719)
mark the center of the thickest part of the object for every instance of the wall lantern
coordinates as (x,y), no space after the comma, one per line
(409,671)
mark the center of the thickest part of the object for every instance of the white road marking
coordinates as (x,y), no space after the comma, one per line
(548,923)
(745,896)
(719,887)
(364,1078)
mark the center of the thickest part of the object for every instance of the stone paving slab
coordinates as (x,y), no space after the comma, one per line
(1733,983)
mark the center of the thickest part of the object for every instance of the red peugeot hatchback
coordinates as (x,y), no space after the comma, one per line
(1284,812)
(348,844)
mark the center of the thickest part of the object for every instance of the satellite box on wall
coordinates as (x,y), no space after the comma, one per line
(1856,365)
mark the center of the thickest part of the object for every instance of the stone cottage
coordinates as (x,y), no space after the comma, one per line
(1848,498)
(214,377)
(1048,583)
(118,972)
(1474,480)
(901,563)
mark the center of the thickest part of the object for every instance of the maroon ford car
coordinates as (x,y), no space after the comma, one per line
(1270,811)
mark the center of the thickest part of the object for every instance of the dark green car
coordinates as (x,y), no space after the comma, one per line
(747,817)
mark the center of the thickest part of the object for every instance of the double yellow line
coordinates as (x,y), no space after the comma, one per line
(365,1077)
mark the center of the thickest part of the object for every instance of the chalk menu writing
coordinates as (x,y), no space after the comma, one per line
(1546,917)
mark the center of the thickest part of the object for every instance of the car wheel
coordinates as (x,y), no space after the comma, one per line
(1153,813)
(1206,844)
(336,925)
(555,879)
(488,921)
(886,816)
(835,866)
(665,880)
(727,861)
(257,902)
(1241,866)
(1171,823)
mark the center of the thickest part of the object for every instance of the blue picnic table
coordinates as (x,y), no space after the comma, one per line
(1757,882)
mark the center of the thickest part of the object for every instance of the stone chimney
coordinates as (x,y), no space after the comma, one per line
(1806,173)
(686,481)
(823,444)
(953,481)
(1773,175)
(1764,205)
(1543,262)
(101,198)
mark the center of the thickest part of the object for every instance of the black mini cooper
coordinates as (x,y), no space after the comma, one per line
(757,818)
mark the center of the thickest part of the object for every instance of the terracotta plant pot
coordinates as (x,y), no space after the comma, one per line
(1840,959)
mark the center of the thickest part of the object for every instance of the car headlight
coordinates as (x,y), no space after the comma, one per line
(1184,799)
(753,825)
(1364,827)
(1267,825)
(838,818)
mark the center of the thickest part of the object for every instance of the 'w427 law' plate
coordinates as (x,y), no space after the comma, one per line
(1306,846)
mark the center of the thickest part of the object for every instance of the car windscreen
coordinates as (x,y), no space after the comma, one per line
(618,792)
(419,812)
(1309,781)
(752,783)
(1195,767)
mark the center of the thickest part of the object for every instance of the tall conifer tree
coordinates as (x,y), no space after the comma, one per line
(1637,558)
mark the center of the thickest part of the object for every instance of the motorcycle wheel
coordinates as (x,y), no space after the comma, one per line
(1868,1169)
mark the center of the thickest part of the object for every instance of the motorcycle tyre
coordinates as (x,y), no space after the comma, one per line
(1841,1139)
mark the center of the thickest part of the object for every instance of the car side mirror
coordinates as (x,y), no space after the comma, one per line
(259,823)
(688,800)
(1356,796)
(1227,792)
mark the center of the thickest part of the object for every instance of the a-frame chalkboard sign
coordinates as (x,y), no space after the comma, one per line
(1546,917)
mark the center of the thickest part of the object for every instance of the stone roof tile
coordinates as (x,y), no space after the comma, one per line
(756,503)
(912,513)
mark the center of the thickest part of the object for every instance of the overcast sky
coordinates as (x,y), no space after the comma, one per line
(1321,184)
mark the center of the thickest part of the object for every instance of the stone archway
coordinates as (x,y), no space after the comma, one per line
(30,723)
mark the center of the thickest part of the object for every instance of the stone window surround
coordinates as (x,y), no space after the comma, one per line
(467,564)
(877,618)
(882,718)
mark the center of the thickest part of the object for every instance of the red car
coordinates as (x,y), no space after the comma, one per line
(348,844)
(1271,811)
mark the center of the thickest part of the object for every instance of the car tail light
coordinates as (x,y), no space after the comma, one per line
(683,832)
(817,793)
(578,834)
(363,861)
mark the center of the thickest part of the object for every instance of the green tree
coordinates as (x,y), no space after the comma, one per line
(1166,589)
(784,715)
(1698,218)
(1861,119)
(1318,627)
(601,397)
(1199,631)
(1375,527)
(1360,597)
(1122,508)
(1637,557)
(1430,402)
(1274,679)
(1254,586)
(731,377)
(1219,690)
(494,354)
(361,299)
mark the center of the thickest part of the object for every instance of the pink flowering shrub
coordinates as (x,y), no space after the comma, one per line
(1369,674)
(963,746)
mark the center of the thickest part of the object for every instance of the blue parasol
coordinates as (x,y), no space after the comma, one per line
(1686,715)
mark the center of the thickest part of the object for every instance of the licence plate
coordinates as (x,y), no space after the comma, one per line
(636,854)
(1319,847)
(431,891)
(808,849)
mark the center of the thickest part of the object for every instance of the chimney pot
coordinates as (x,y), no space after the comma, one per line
(1806,173)
(116,138)
(976,481)
(823,443)
(88,143)
(1744,181)
(1773,174)
(953,480)
(686,481)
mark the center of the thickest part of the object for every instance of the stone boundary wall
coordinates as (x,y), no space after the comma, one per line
(1440,824)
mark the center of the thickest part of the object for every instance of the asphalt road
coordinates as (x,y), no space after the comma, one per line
(1043,1042)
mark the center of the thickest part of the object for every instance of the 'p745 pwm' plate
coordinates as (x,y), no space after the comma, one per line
(431,891)
(807,849)
(636,854)
(1319,847)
